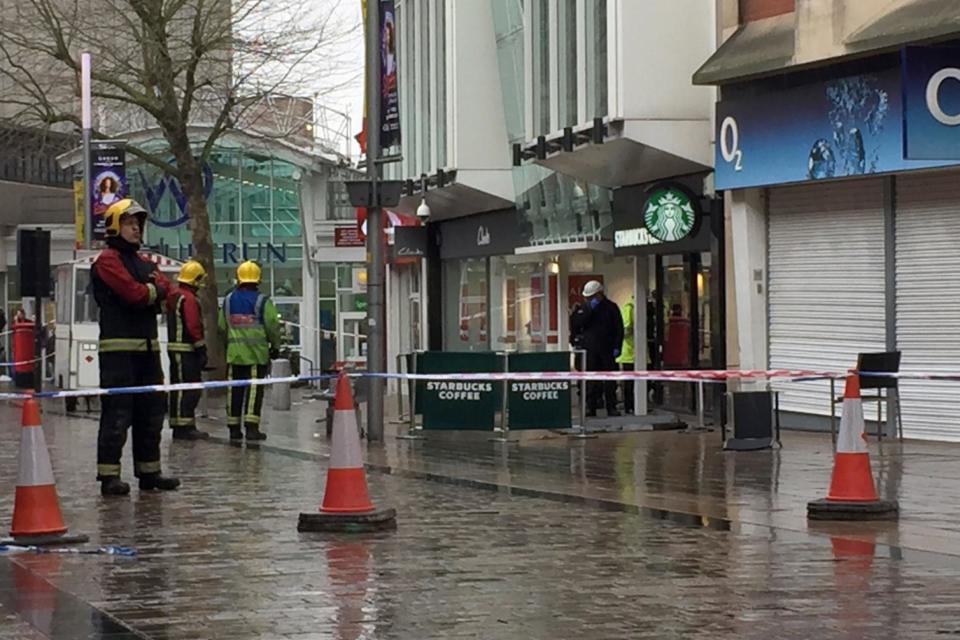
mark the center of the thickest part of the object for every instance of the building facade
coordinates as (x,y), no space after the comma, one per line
(535,131)
(836,150)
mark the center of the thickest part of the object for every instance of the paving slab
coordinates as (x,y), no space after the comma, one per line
(640,535)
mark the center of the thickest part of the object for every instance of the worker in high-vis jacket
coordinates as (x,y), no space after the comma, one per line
(130,292)
(625,359)
(251,324)
(187,350)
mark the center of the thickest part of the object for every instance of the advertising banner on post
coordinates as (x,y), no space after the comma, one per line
(389,91)
(108,181)
(467,405)
(79,215)
(539,404)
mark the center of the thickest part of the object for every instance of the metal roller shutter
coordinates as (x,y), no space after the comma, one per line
(928,301)
(826,283)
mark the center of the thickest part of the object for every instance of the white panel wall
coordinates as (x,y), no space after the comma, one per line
(480,133)
(660,43)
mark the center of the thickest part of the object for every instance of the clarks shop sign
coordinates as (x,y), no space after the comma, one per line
(486,234)
(409,244)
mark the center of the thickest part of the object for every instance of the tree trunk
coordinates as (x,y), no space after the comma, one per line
(191,180)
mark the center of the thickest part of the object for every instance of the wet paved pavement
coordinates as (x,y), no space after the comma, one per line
(646,535)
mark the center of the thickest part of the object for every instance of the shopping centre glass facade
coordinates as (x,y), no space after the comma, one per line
(254,209)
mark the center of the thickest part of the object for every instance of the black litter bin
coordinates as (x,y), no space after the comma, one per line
(754,415)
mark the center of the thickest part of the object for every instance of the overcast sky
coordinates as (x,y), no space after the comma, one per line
(349,99)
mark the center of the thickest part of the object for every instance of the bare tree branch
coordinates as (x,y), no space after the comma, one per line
(178,65)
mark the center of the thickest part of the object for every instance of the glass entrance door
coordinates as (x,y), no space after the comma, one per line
(680,311)
(352,338)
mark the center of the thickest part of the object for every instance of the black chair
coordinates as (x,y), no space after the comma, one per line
(869,365)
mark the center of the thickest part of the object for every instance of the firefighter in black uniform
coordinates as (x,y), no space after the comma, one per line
(129,290)
(187,350)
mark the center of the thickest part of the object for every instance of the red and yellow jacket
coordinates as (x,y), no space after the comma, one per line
(130,291)
(184,322)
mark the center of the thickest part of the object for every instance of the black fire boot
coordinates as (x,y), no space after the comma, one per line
(254,434)
(236,433)
(155,481)
(189,433)
(114,486)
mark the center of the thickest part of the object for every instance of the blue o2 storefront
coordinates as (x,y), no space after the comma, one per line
(845,208)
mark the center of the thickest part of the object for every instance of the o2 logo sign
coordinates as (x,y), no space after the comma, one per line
(730,143)
(933,96)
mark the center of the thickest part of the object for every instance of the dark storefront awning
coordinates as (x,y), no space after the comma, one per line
(471,193)
(913,21)
(758,47)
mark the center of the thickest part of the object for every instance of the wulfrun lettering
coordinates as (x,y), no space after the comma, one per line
(262,252)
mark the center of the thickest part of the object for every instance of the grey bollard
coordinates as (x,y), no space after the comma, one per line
(280,368)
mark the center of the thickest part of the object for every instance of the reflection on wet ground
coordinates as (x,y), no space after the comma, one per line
(627,536)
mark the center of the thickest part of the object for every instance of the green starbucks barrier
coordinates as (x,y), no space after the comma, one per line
(473,405)
(458,404)
(539,404)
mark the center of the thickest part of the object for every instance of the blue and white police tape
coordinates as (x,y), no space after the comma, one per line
(161,388)
(23,362)
(716,376)
(705,376)
(109,550)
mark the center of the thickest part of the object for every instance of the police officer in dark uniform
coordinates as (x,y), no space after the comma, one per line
(130,291)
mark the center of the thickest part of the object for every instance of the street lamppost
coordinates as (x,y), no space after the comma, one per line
(376,336)
(86,122)
(374,194)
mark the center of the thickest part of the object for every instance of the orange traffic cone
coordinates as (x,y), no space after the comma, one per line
(36,509)
(852,495)
(346,490)
(346,504)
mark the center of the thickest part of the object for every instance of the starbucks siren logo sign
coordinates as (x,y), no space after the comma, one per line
(670,214)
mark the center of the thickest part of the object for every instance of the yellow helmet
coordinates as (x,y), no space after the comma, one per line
(116,212)
(192,273)
(248,273)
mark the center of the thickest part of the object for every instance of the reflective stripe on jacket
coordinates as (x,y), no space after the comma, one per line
(184,323)
(108,345)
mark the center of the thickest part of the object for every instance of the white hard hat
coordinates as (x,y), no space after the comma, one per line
(592,288)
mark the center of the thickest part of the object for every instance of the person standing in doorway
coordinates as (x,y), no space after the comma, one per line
(601,325)
(252,327)
(187,350)
(625,359)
